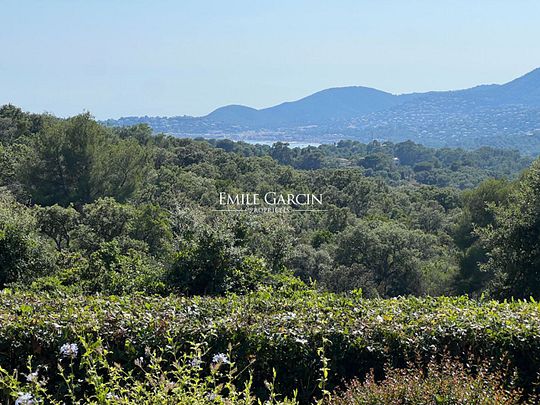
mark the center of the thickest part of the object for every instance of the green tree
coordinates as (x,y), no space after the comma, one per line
(477,213)
(214,264)
(376,161)
(311,158)
(120,170)
(58,223)
(78,160)
(152,225)
(23,254)
(142,133)
(103,221)
(392,254)
(307,263)
(514,240)
(272,238)
(281,152)
(16,124)
(59,167)
(410,153)
(114,270)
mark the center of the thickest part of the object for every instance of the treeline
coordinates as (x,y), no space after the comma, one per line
(85,209)
(395,162)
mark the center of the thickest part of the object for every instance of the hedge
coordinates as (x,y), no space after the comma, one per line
(284,331)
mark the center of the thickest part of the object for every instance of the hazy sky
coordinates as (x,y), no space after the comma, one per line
(133,57)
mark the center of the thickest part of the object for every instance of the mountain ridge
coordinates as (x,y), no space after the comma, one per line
(478,116)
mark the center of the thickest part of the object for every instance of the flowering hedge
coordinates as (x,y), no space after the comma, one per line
(291,332)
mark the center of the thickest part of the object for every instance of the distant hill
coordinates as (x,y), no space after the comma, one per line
(506,115)
(524,90)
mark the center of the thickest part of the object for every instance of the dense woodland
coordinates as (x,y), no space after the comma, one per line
(90,210)
(117,210)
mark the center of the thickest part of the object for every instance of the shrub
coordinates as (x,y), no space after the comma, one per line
(24,255)
(215,264)
(280,330)
(446,383)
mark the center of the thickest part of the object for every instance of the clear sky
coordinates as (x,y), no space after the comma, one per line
(140,57)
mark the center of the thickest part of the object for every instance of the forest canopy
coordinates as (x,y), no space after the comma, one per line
(87,208)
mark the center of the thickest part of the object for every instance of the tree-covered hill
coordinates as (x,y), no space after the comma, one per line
(505,116)
(90,208)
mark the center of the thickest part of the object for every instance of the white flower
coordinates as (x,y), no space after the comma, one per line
(195,362)
(25,398)
(379,319)
(289,316)
(301,341)
(220,358)
(111,396)
(139,362)
(69,350)
(32,377)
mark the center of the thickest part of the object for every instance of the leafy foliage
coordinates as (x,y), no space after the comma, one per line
(276,329)
(514,240)
(23,253)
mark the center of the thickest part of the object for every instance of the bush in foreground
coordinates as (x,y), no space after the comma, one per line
(446,383)
(281,330)
(87,374)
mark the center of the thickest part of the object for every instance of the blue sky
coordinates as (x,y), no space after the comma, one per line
(133,57)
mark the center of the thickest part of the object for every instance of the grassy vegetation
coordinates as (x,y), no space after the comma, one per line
(448,383)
